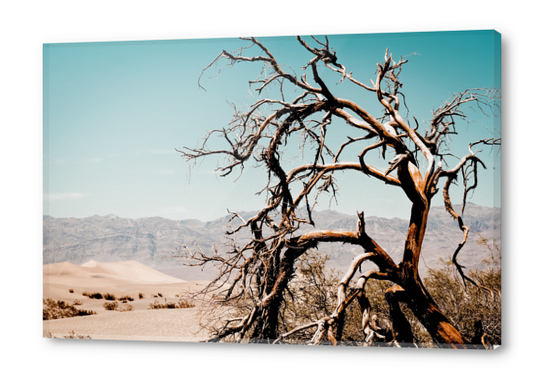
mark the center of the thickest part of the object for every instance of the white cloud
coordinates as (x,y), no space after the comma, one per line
(62,196)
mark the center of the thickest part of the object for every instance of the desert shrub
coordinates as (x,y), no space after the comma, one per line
(312,295)
(71,290)
(157,305)
(172,305)
(126,298)
(109,296)
(125,308)
(60,309)
(77,302)
(71,335)
(76,336)
(141,295)
(186,304)
(95,295)
(467,306)
(111,305)
(159,294)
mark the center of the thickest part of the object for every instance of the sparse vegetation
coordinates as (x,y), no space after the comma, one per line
(71,335)
(105,296)
(125,308)
(71,290)
(109,296)
(474,311)
(60,309)
(111,305)
(77,302)
(95,295)
(141,295)
(114,306)
(126,298)
(172,305)
(186,304)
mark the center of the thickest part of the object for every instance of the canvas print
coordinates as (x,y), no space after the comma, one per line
(312,190)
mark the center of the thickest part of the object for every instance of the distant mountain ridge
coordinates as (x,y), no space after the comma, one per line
(152,241)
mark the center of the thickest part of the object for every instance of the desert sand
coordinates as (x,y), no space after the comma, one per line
(122,279)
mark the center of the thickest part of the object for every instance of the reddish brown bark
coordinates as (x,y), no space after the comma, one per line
(277,244)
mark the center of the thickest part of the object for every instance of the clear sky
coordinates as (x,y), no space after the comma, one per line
(114,113)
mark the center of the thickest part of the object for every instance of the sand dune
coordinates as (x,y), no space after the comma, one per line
(130,271)
(121,279)
(151,325)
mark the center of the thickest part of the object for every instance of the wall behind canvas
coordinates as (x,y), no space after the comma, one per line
(26,25)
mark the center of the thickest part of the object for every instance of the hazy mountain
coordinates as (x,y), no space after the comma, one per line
(152,241)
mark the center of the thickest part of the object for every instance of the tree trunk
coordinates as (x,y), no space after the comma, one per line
(416,296)
(401,329)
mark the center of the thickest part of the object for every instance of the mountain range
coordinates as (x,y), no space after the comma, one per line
(156,242)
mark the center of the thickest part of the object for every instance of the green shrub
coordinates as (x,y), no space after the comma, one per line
(59,309)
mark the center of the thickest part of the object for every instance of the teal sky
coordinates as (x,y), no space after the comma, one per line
(114,113)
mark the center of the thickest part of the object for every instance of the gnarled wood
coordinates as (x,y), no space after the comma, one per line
(256,277)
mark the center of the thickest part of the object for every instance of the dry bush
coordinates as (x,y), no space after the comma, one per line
(313,293)
(125,308)
(172,305)
(94,295)
(111,305)
(73,335)
(468,307)
(60,309)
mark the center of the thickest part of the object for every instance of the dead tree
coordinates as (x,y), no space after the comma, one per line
(258,273)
